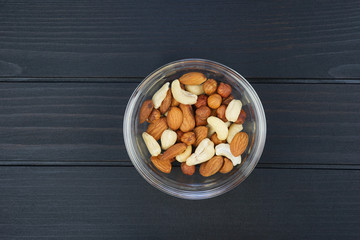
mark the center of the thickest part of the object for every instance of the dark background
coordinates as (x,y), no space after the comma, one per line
(67,69)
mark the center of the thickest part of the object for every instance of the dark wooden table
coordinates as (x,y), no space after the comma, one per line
(68,68)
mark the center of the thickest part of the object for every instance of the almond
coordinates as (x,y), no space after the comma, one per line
(163,166)
(227,166)
(188,138)
(224,90)
(174,118)
(187,170)
(188,122)
(154,115)
(212,166)
(156,128)
(239,143)
(216,140)
(201,133)
(214,101)
(145,110)
(164,107)
(173,151)
(192,78)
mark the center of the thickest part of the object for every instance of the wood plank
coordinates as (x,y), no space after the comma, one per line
(81,123)
(115,202)
(119,38)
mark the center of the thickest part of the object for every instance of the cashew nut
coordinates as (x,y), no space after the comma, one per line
(223,149)
(151,144)
(211,130)
(195,89)
(233,130)
(219,126)
(183,156)
(168,138)
(181,95)
(160,95)
(202,153)
(233,110)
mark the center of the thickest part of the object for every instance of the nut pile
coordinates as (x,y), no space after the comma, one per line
(197,121)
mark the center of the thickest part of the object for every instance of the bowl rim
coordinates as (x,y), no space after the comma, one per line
(230,183)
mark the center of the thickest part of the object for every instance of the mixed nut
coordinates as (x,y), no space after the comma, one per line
(197,121)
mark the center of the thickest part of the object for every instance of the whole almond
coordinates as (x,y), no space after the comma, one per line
(154,115)
(227,100)
(192,78)
(174,150)
(212,166)
(156,128)
(145,110)
(227,166)
(201,133)
(187,170)
(201,101)
(216,140)
(214,101)
(163,166)
(164,107)
(188,138)
(239,143)
(241,118)
(224,90)
(210,86)
(220,113)
(188,122)
(174,118)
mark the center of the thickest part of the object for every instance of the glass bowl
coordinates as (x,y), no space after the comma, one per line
(196,186)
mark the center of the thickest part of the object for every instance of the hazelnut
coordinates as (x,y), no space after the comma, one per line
(227,100)
(187,170)
(214,101)
(210,86)
(200,121)
(213,112)
(216,140)
(224,90)
(188,138)
(154,115)
(241,118)
(203,112)
(179,134)
(201,101)
(220,113)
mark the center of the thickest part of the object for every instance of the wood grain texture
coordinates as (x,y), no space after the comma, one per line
(309,39)
(81,123)
(113,203)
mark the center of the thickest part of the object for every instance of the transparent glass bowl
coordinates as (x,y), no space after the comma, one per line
(196,186)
